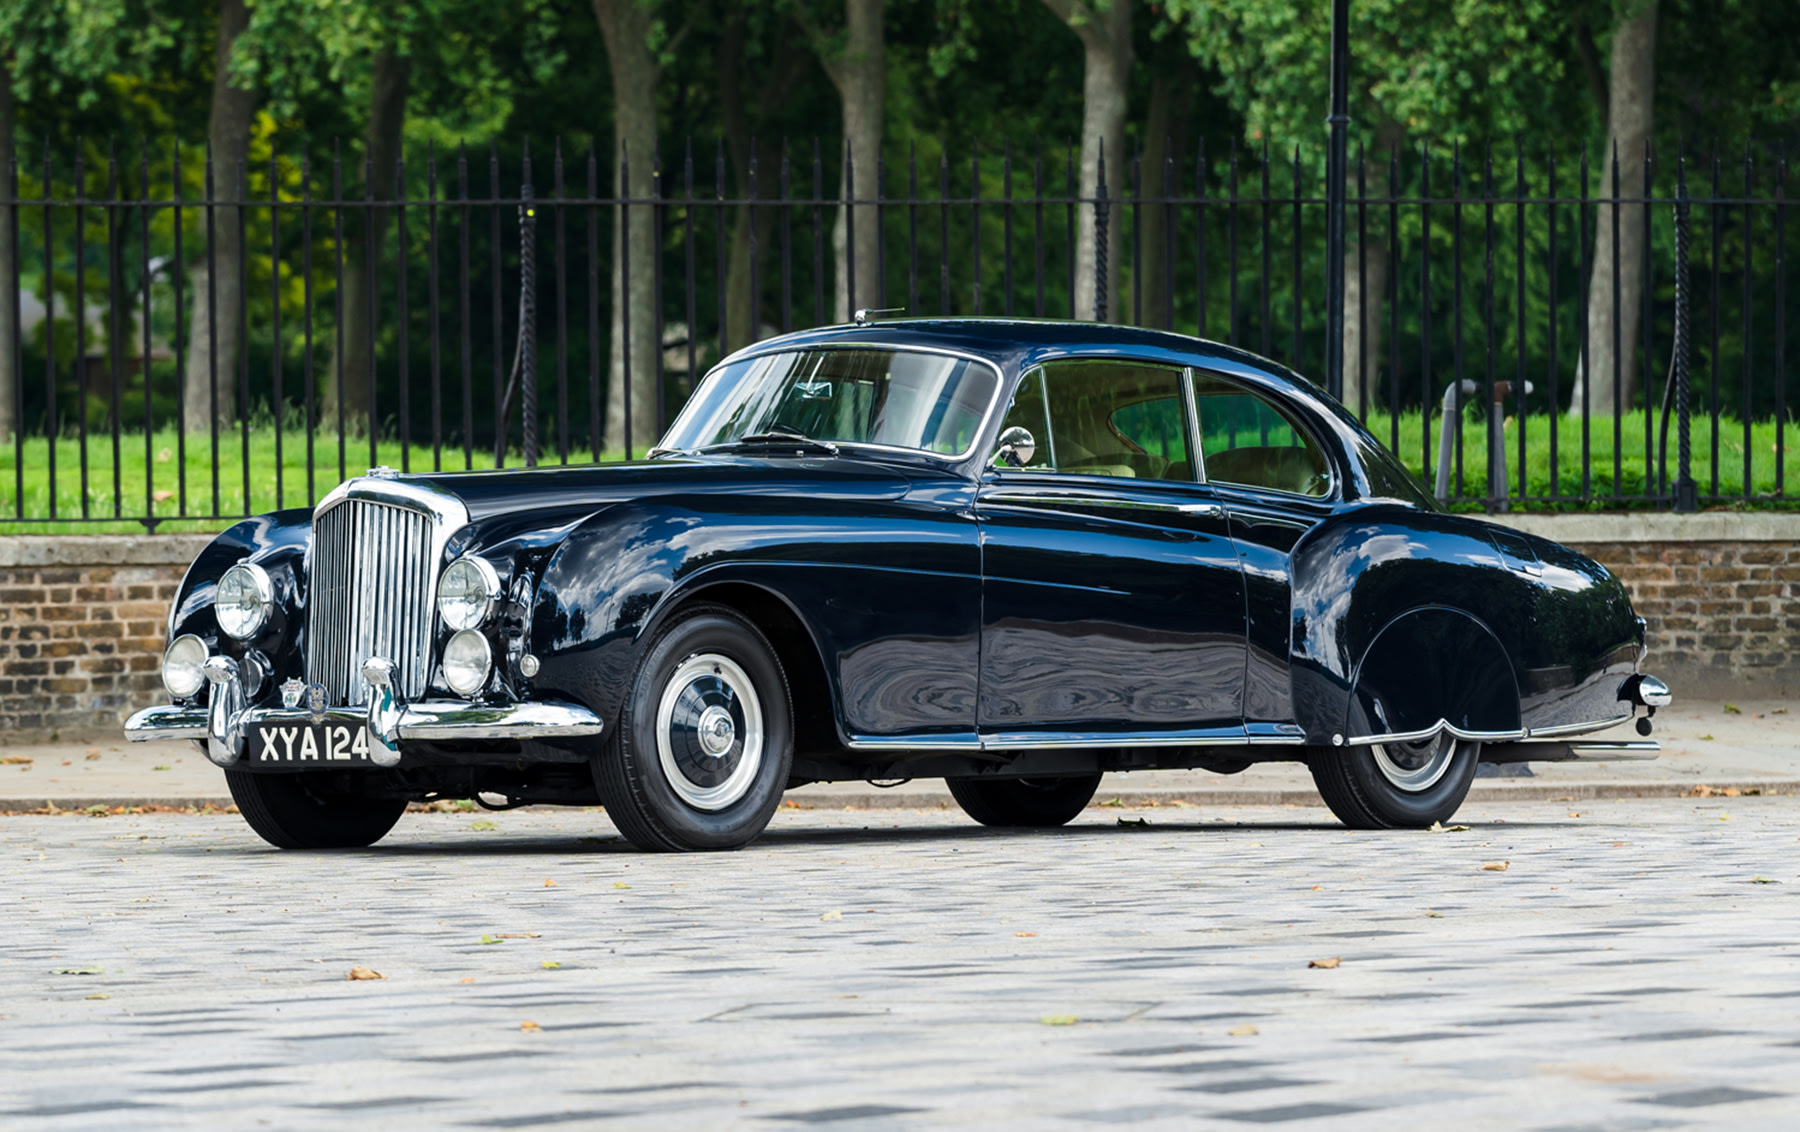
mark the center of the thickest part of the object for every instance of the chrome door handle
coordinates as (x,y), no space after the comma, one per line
(1204,510)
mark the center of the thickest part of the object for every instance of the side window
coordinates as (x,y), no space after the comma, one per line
(1246,440)
(1104,419)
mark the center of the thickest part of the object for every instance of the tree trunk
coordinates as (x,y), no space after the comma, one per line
(349,378)
(626,27)
(860,75)
(1630,103)
(1105,32)
(9,326)
(1165,140)
(1366,273)
(214,326)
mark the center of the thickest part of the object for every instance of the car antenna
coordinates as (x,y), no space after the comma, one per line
(862,315)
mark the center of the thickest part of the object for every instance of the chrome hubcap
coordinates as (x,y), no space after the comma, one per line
(709,732)
(1418,765)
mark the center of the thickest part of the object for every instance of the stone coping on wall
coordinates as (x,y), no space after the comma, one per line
(100,550)
(1588,528)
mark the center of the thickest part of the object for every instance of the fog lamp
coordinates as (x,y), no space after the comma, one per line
(182,672)
(467,663)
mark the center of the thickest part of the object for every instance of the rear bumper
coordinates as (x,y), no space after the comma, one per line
(225,726)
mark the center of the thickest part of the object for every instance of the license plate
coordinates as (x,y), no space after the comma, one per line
(289,744)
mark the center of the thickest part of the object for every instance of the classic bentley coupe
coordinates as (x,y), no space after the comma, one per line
(1012,555)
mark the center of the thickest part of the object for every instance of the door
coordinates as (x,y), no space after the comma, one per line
(1112,598)
(1276,485)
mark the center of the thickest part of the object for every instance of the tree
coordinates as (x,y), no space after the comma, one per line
(1104,28)
(45,49)
(634,38)
(1435,71)
(215,342)
(855,60)
(1614,316)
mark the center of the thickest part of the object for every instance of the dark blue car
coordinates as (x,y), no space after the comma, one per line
(1013,555)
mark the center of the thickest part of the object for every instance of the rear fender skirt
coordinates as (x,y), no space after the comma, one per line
(1432,670)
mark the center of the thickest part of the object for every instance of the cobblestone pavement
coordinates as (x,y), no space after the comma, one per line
(1635,965)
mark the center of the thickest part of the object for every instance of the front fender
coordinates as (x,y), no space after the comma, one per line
(277,542)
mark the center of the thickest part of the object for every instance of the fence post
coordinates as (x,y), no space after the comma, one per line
(1686,491)
(528,317)
(1336,173)
(1100,219)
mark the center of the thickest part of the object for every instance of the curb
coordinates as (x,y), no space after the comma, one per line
(866,799)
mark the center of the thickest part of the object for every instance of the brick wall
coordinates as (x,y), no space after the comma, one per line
(82,618)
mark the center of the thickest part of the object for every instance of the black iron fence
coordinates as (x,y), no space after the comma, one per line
(180,340)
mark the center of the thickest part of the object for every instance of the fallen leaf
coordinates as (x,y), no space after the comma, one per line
(1134,823)
(551,964)
(530,1028)
(1779,711)
(1434,915)
(162,766)
(162,496)
(1114,803)
(1701,790)
(1724,817)
(548,883)
(16,760)
(1574,813)
(1059,1019)
(1026,935)
(1763,880)
(832,917)
(490,939)
(1708,738)
(1244,1031)
(1440,827)
(620,884)
(1733,709)
(519,935)
(1318,888)
(467,981)
(1495,866)
(482,826)
(94,996)
(1256,845)
(1731,791)
(93,756)
(359,974)
(1325,964)
(78,970)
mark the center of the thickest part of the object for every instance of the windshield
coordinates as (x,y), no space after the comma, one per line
(893,398)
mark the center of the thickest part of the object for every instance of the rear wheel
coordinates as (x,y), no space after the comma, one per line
(1396,785)
(705,741)
(301,811)
(1033,802)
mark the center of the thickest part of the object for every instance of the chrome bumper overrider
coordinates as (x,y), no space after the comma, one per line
(225,726)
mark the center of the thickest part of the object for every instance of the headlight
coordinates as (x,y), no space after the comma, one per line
(242,600)
(467,662)
(467,592)
(182,674)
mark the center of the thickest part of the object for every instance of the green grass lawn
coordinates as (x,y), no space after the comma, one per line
(160,478)
(161,473)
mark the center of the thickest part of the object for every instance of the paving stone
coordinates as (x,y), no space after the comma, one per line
(1153,977)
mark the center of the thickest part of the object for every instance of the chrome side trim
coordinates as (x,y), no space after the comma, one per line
(166,721)
(1018,498)
(1274,734)
(1067,740)
(454,719)
(1054,741)
(1432,732)
(911,743)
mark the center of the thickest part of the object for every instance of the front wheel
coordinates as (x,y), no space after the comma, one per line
(308,811)
(1042,803)
(705,741)
(1396,785)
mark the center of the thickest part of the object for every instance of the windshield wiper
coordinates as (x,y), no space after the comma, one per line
(785,436)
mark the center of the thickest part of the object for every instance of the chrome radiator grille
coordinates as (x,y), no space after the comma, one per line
(372,576)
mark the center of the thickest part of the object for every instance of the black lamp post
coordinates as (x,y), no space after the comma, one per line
(1337,163)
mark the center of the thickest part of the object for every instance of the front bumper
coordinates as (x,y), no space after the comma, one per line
(225,726)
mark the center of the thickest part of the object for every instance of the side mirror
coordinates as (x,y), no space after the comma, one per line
(1015,449)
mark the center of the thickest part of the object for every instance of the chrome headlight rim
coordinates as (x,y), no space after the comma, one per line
(489,581)
(264,589)
(182,689)
(468,638)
